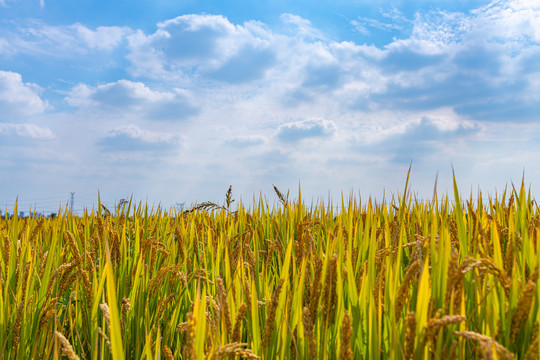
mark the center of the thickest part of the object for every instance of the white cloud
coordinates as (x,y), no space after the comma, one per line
(103,38)
(303,27)
(362,24)
(515,20)
(36,38)
(132,138)
(512,24)
(202,44)
(305,129)
(26,130)
(360,27)
(18,99)
(435,32)
(446,119)
(119,94)
(129,97)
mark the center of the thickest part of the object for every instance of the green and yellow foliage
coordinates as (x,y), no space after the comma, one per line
(399,279)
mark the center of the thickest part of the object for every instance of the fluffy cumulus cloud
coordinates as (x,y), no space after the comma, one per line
(103,37)
(471,62)
(305,129)
(207,45)
(129,97)
(448,59)
(134,139)
(478,63)
(17,98)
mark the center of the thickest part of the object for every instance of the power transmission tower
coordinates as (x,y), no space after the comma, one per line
(180,207)
(71,200)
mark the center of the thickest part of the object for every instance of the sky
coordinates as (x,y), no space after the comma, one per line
(170,102)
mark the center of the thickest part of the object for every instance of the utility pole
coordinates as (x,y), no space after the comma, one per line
(71,200)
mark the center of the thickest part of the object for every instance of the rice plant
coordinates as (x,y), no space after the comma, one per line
(395,279)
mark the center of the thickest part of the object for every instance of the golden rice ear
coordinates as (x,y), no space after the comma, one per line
(488,344)
(167,353)
(67,349)
(309,333)
(522,309)
(410,335)
(403,291)
(238,322)
(271,316)
(345,352)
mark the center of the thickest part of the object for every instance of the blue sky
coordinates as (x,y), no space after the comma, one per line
(173,101)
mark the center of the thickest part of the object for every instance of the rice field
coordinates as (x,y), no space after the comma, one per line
(396,279)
